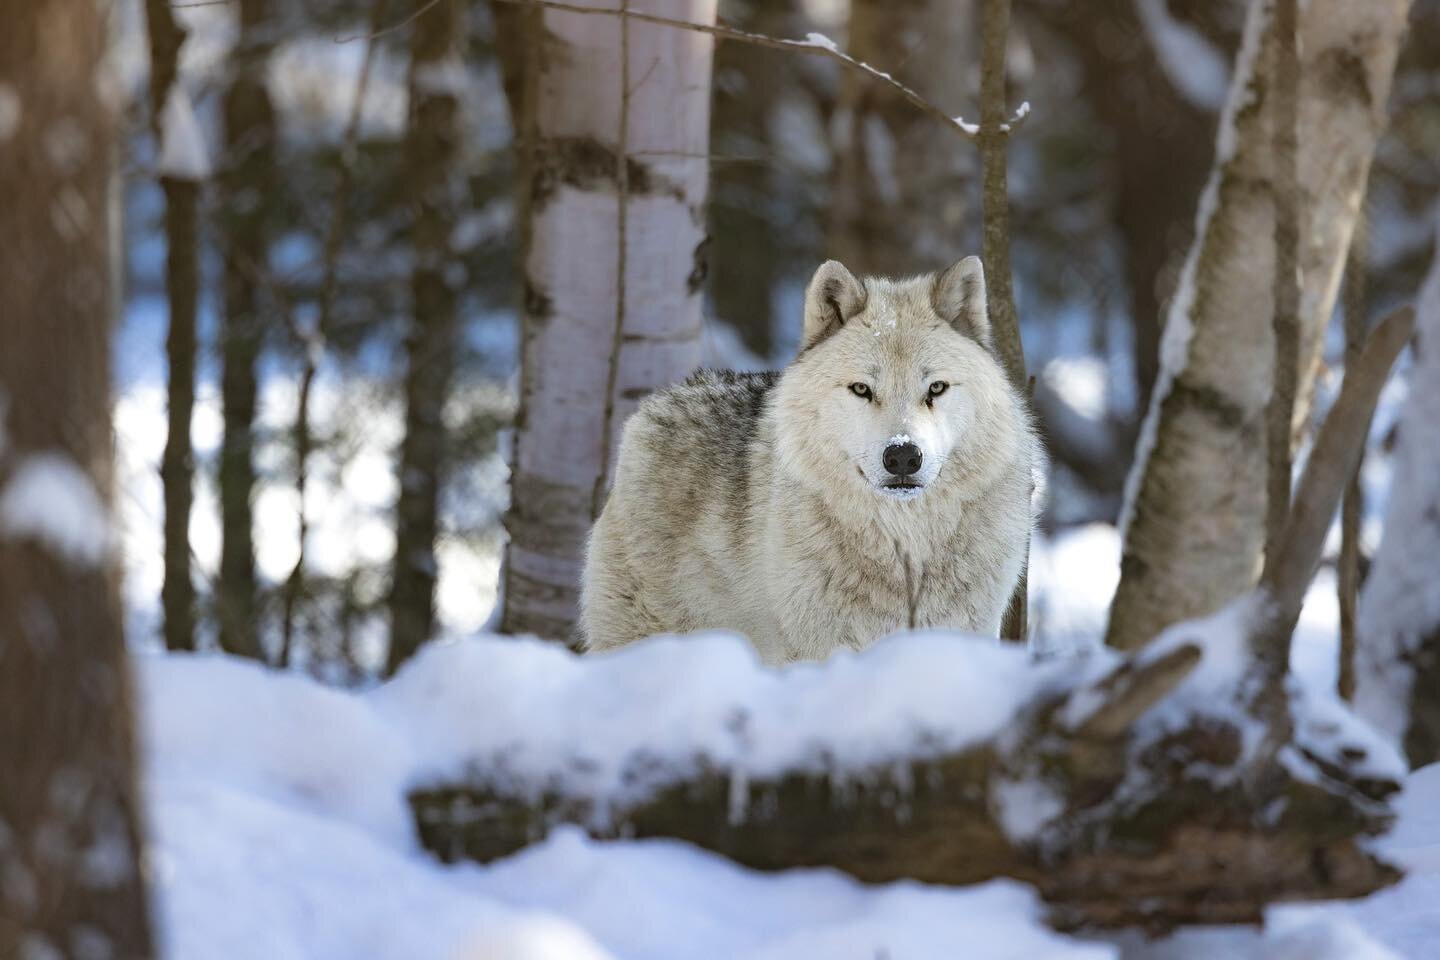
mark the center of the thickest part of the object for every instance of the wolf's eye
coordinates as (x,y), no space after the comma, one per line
(938,387)
(860,390)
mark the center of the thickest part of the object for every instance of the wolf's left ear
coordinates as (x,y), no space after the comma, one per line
(833,297)
(959,298)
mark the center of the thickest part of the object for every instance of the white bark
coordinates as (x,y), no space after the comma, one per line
(613,271)
(1398,655)
(1195,505)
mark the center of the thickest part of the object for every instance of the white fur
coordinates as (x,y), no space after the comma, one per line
(794,539)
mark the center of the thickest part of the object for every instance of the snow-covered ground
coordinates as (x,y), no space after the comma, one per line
(279,827)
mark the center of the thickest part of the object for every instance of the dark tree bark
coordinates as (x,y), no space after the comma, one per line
(745,250)
(435,186)
(245,182)
(182,284)
(70,853)
(1162,151)
(1347,581)
(900,202)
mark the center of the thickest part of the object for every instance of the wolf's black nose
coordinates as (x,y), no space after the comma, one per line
(902,459)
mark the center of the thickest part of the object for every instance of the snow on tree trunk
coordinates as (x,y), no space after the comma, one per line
(1195,507)
(1398,654)
(436,191)
(613,266)
(247,171)
(900,193)
(69,836)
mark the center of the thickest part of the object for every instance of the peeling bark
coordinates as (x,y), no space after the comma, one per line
(599,333)
(1195,510)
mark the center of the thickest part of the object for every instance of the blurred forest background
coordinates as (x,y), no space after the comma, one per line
(336,198)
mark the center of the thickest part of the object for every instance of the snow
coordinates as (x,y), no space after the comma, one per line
(556,721)
(821,41)
(49,499)
(1401,601)
(1195,68)
(278,830)
(183,155)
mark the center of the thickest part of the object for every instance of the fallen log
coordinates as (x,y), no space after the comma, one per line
(1120,812)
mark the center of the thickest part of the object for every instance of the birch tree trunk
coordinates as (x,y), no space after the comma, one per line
(436,190)
(1194,518)
(616,135)
(1398,652)
(248,173)
(69,834)
(901,178)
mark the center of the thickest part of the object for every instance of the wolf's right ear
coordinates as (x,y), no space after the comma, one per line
(833,297)
(959,298)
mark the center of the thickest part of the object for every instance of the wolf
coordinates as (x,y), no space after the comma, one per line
(884,479)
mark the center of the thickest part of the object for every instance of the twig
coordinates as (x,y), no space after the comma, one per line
(315,342)
(409,18)
(617,339)
(815,47)
(1280,412)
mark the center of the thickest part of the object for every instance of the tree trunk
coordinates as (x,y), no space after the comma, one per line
(69,812)
(182,286)
(436,193)
(746,247)
(613,265)
(1398,657)
(901,179)
(246,182)
(1195,512)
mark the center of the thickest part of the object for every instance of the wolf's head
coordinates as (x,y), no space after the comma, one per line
(897,390)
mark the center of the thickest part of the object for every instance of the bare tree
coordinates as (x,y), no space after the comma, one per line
(899,197)
(1195,511)
(246,180)
(608,166)
(1398,655)
(180,182)
(69,834)
(436,193)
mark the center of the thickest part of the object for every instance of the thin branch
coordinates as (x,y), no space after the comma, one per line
(1328,471)
(622,221)
(315,341)
(1134,687)
(1348,563)
(409,18)
(813,46)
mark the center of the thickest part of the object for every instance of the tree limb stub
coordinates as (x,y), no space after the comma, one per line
(813,47)
(1327,473)
(1114,826)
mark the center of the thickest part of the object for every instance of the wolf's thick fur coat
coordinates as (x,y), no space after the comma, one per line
(763,503)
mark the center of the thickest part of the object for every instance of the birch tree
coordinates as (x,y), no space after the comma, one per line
(1194,518)
(615,135)
(435,194)
(900,178)
(1398,632)
(69,837)
(248,175)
